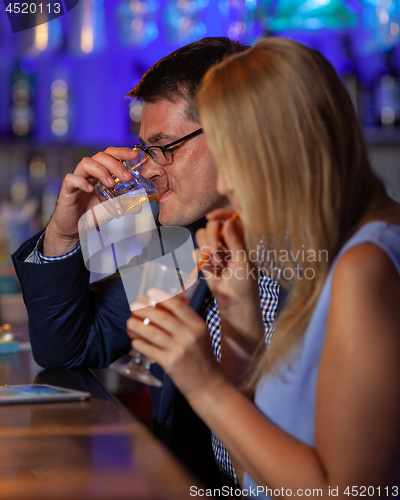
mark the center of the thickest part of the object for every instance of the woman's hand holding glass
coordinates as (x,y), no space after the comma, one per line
(169,282)
(176,338)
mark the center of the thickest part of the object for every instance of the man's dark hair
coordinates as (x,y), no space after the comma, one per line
(178,75)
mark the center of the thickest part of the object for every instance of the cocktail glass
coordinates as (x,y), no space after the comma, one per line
(174,283)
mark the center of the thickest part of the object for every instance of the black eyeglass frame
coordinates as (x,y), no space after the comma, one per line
(164,149)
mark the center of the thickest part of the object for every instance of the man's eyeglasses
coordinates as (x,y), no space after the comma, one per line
(162,155)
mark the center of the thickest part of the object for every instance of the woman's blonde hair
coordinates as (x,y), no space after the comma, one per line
(283,129)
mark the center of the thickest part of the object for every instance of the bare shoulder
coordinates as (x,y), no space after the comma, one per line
(365,296)
(365,264)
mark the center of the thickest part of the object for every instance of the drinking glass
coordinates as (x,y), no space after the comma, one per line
(125,197)
(172,281)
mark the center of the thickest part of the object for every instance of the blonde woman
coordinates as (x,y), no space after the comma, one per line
(326,410)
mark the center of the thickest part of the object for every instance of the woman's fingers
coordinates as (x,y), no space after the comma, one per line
(208,239)
(171,313)
(145,329)
(177,338)
(209,243)
(203,251)
(213,229)
(232,233)
(181,311)
(169,332)
(220,244)
(149,350)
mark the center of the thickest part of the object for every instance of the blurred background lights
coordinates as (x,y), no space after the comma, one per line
(384,17)
(20,126)
(243,19)
(20,93)
(87,38)
(184,23)
(313,4)
(312,14)
(137,22)
(37,168)
(236,30)
(59,127)
(87,26)
(59,108)
(388,115)
(19,191)
(138,7)
(92,34)
(394,29)
(135,110)
(59,89)
(184,20)
(41,37)
(137,25)
(135,115)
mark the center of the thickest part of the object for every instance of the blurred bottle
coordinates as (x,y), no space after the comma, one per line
(3,248)
(367,105)
(387,94)
(22,108)
(49,199)
(17,216)
(349,74)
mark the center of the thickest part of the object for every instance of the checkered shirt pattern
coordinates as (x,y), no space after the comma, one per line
(269,291)
(37,257)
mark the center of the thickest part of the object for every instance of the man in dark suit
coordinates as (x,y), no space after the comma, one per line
(75,324)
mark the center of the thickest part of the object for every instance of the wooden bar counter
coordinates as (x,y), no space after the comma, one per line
(85,450)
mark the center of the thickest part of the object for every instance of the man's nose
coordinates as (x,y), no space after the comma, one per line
(150,169)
